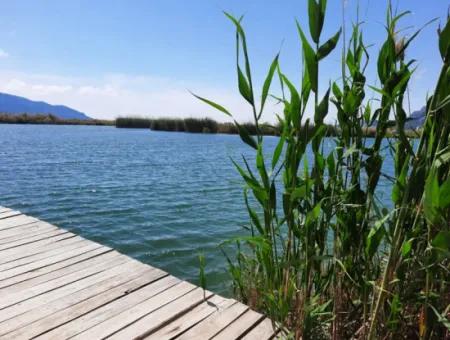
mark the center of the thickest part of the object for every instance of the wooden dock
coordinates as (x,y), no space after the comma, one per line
(57,285)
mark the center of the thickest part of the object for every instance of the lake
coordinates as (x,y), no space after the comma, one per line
(160,197)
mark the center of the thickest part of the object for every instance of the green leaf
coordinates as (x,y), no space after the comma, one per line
(277,152)
(256,241)
(267,83)
(244,87)
(444,194)
(322,109)
(431,198)
(337,91)
(202,277)
(442,241)
(214,105)
(298,193)
(386,59)
(310,59)
(261,166)
(313,214)
(253,215)
(294,107)
(400,183)
(444,41)
(316,14)
(245,136)
(375,236)
(406,248)
(329,46)
(249,179)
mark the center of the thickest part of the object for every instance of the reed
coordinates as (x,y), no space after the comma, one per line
(322,256)
(133,123)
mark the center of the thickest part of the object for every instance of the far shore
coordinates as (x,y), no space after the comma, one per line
(190,125)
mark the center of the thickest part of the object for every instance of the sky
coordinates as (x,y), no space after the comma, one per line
(112,58)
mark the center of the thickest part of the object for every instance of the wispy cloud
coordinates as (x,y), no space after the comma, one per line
(3,54)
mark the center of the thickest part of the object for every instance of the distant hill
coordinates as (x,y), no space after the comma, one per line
(15,105)
(416,119)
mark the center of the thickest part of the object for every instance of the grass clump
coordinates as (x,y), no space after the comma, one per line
(322,257)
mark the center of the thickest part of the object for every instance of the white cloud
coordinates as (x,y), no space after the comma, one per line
(3,54)
(113,95)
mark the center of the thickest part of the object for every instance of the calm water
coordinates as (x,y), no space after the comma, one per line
(159,197)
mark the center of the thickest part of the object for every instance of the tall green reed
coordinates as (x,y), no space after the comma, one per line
(323,259)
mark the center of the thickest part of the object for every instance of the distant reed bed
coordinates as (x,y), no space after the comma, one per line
(205,125)
(25,118)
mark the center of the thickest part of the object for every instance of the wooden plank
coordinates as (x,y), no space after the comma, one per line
(33,239)
(38,247)
(3,209)
(16,221)
(12,299)
(51,252)
(51,315)
(262,331)
(25,236)
(24,231)
(56,294)
(22,278)
(103,254)
(240,326)
(8,214)
(47,261)
(150,320)
(213,305)
(213,325)
(130,315)
(107,311)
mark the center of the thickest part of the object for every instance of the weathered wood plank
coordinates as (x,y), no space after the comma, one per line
(8,214)
(32,239)
(22,278)
(47,261)
(56,294)
(133,314)
(213,325)
(213,305)
(12,299)
(16,221)
(39,256)
(51,315)
(152,319)
(103,255)
(240,326)
(24,231)
(103,313)
(38,247)
(262,331)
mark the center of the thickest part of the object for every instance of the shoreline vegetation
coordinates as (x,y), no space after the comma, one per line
(320,254)
(190,125)
(49,119)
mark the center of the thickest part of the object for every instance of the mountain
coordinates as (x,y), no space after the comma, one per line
(416,119)
(15,105)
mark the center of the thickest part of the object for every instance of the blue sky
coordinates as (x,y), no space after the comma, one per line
(110,58)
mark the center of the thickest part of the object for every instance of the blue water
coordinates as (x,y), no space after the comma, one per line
(160,197)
